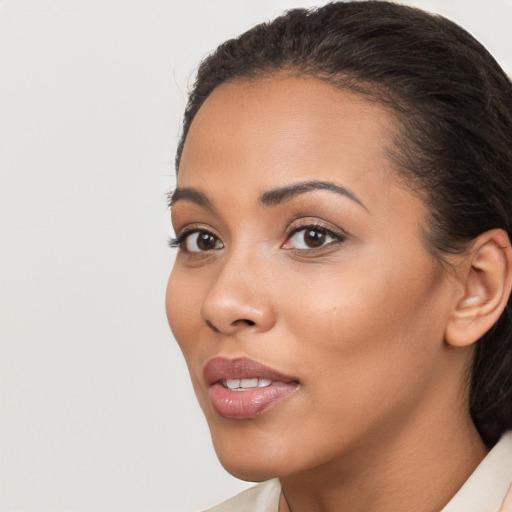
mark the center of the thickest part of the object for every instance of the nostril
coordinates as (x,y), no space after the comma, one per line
(246,321)
(236,323)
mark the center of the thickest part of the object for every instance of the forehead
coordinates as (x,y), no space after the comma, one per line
(268,132)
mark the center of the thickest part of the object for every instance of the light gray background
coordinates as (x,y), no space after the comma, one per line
(97,412)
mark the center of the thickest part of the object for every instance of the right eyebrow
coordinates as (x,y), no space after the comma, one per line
(190,194)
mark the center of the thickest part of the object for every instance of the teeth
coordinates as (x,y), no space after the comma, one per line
(248,383)
(240,384)
(233,383)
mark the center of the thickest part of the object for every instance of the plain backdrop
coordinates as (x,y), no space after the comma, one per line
(97,411)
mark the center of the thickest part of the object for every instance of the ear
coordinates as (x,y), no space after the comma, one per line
(486,277)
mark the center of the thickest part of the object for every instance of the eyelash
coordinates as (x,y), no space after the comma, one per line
(337,237)
(174,242)
(178,241)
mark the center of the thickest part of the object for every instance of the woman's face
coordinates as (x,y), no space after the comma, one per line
(302,281)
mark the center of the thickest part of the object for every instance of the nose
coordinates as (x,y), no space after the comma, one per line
(239,298)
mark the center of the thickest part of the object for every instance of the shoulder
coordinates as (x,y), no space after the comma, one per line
(260,498)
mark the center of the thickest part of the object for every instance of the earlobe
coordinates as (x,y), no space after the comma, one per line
(487,281)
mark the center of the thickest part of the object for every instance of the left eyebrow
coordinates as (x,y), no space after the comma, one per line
(279,195)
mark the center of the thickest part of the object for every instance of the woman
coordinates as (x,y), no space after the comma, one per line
(344,267)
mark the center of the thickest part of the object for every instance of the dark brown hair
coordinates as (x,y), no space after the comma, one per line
(452,104)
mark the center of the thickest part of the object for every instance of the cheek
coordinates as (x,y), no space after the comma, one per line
(367,328)
(183,309)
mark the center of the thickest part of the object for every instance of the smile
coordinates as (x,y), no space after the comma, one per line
(243,389)
(241,384)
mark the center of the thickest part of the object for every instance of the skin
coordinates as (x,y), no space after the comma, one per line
(360,322)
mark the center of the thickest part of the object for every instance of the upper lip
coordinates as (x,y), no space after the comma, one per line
(221,368)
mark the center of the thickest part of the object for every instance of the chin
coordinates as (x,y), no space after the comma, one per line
(248,474)
(251,458)
(250,470)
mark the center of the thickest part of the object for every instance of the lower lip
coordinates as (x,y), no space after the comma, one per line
(249,402)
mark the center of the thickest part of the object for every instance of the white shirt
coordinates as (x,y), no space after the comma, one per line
(484,491)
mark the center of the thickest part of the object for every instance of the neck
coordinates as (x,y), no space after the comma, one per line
(420,468)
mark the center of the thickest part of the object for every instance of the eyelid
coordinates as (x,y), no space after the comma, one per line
(338,235)
(308,222)
(177,241)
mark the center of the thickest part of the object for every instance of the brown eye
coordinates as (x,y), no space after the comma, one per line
(201,241)
(311,237)
(314,237)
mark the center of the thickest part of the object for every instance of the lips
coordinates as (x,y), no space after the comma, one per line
(242,388)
